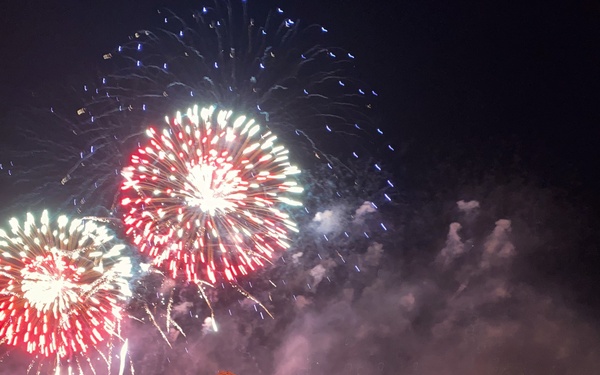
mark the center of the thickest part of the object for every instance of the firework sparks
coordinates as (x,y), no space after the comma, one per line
(62,286)
(202,198)
(282,72)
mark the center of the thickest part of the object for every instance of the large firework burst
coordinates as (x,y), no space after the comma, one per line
(62,287)
(204,196)
(280,71)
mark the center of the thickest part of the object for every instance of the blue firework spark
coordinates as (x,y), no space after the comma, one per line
(278,70)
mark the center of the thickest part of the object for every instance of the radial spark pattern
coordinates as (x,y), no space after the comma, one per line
(62,286)
(285,73)
(203,197)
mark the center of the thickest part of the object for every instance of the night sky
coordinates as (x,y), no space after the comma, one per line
(490,264)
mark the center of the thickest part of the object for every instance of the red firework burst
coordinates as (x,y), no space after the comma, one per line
(62,286)
(203,197)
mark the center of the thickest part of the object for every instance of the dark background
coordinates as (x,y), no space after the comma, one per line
(469,91)
(523,74)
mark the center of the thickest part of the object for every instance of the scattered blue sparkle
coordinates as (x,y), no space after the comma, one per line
(391,148)
(360,91)
(390,183)
(216,65)
(346,234)
(358,269)
(289,22)
(139,46)
(204,10)
(262,66)
(120,49)
(354,154)
(84,87)
(374,205)
(303,57)
(379,131)
(305,92)
(326,239)
(181,33)
(165,66)
(350,55)
(357,127)
(103,81)
(166,20)
(324,29)
(279,10)
(329,165)
(138,63)
(331,54)
(366,235)
(341,83)
(387,197)
(378,167)
(328,128)
(383,226)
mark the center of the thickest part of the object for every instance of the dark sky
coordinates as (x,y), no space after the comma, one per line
(493,103)
(447,71)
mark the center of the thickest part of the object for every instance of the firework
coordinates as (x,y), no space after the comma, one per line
(62,287)
(203,197)
(282,72)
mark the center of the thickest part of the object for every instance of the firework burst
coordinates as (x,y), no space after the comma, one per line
(203,197)
(284,73)
(62,288)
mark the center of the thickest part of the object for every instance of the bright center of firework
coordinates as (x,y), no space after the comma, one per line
(48,285)
(214,189)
